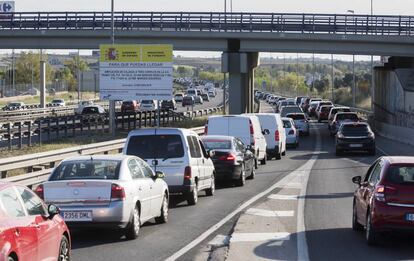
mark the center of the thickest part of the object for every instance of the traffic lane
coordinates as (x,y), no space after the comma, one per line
(328,212)
(214,102)
(157,242)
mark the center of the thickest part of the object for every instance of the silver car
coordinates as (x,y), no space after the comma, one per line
(292,134)
(115,191)
(301,122)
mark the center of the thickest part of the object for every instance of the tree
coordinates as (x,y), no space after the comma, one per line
(70,72)
(28,69)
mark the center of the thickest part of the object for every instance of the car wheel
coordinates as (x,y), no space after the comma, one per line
(10,258)
(252,174)
(284,153)
(64,249)
(242,179)
(163,218)
(371,236)
(132,230)
(256,165)
(192,197)
(210,191)
(278,156)
(269,157)
(355,225)
(297,145)
(263,161)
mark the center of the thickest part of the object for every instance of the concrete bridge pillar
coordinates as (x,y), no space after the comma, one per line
(240,66)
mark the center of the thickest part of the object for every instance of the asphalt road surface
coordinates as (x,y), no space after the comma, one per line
(328,210)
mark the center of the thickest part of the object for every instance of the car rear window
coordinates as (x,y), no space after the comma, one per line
(287,124)
(326,109)
(155,146)
(217,144)
(147,102)
(87,169)
(90,110)
(361,130)
(296,116)
(401,175)
(341,117)
(127,103)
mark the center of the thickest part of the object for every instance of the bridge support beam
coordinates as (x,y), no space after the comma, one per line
(240,66)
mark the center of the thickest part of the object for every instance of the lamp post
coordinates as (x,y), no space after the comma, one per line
(112,119)
(353,73)
(372,66)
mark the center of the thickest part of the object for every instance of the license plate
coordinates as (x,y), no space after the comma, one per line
(355,145)
(409,217)
(77,215)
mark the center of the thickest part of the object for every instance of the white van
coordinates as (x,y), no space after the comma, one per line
(276,139)
(180,154)
(192,92)
(245,127)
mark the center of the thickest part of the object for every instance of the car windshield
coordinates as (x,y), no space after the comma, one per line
(286,110)
(155,146)
(355,130)
(341,117)
(147,102)
(90,110)
(217,144)
(325,108)
(401,175)
(296,116)
(87,169)
(127,102)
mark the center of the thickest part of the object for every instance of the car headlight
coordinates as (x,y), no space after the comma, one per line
(371,135)
(340,136)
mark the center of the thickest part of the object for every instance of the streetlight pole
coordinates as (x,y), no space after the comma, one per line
(354,82)
(372,66)
(112,116)
(332,78)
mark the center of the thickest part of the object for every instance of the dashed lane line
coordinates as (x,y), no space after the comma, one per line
(269,213)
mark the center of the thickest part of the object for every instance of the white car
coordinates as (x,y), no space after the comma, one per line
(292,134)
(81,105)
(276,139)
(178,97)
(58,102)
(212,93)
(290,109)
(116,191)
(149,105)
(301,122)
(245,127)
(180,154)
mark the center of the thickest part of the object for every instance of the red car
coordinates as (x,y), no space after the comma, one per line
(384,200)
(28,229)
(129,106)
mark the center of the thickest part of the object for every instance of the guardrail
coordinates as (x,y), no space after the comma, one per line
(55,127)
(212,22)
(40,165)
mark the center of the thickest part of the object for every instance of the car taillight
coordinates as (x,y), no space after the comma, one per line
(277,136)
(117,192)
(227,157)
(187,173)
(291,132)
(39,191)
(251,128)
(381,192)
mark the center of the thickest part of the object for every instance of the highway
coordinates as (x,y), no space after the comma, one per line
(327,213)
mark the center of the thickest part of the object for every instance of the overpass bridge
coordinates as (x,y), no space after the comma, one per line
(240,36)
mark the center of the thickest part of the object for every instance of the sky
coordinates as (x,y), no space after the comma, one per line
(380,7)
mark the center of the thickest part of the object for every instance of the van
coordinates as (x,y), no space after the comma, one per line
(180,154)
(192,92)
(276,139)
(245,127)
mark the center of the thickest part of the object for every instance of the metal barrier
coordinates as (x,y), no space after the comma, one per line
(212,22)
(39,166)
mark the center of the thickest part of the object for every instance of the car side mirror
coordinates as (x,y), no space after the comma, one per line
(159,175)
(211,153)
(52,210)
(266,132)
(357,180)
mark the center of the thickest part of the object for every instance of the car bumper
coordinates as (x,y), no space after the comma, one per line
(273,151)
(392,218)
(116,214)
(355,145)
(291,140)
(227,171)
(181,189)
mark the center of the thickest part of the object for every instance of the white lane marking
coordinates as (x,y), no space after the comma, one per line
(292,185)
(269,213)
(302,245)
(283,197)
(219,241)
(257,237)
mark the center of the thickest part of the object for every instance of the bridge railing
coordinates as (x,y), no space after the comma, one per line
(212,22)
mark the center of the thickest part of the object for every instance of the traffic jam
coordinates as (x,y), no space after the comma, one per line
(122,192)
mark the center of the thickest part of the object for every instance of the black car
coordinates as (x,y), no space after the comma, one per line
(232,160)
(205,97)
(355,136)
(188,101)
(168,105)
